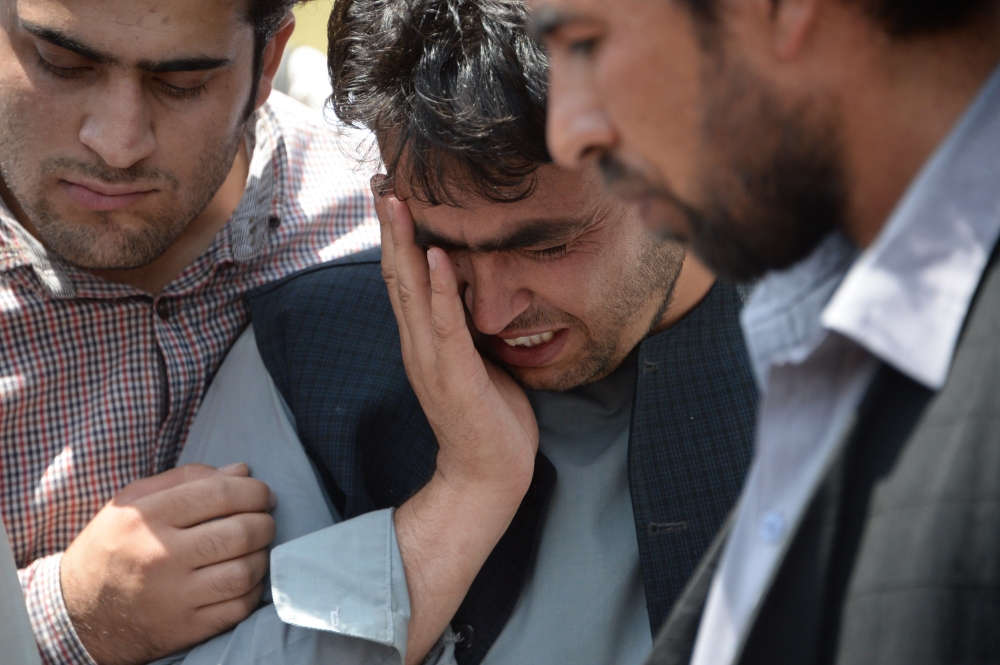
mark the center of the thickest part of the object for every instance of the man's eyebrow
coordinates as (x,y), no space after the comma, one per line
(195,64)
(547,20)
(531,234)
(62,40)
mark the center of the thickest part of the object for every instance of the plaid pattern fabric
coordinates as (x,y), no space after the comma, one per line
(99,382)
(330,341)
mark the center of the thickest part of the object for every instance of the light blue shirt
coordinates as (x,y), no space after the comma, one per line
(17,642)
(817,332)
(339,588)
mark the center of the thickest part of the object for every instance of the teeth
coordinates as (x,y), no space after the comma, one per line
(533,340)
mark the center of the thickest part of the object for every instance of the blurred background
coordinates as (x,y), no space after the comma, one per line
(303,76)
(310,24)
(303,73)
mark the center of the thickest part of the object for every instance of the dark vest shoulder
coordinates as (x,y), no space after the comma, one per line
(328,337)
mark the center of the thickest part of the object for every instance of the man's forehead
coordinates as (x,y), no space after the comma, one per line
(142,29)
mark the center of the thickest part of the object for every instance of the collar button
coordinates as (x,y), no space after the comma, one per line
(163,309)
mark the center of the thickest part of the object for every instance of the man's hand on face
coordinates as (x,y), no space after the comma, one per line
(171,561)
(485,428)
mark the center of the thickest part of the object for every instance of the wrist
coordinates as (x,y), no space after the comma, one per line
(485,486)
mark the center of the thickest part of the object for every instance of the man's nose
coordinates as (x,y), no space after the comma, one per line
(492,295)
(118,126)
(578,126)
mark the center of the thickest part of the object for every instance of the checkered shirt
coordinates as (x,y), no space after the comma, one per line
(99,382)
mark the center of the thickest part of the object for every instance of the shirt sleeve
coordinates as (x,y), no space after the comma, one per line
(58,643)
(339,588)
(339,598)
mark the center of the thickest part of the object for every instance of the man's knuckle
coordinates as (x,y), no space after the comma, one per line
(211,546)
(406,294)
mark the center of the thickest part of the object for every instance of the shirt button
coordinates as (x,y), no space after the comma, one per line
(466,636)
(163,309)
(772,527)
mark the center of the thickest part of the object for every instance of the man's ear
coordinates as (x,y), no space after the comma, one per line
(272,58)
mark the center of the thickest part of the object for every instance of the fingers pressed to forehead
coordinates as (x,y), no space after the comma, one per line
(451,331)
(210,498)
(379,194)
(409,261)
(458,361)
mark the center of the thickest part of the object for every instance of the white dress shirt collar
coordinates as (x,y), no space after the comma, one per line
(906,298)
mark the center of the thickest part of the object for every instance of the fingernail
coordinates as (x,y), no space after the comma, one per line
(272,499)
(432,261)
(232,468)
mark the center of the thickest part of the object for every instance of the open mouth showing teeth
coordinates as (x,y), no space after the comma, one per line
(533,340)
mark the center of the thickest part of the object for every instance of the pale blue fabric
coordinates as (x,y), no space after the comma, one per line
(584,600)
(17,642)
(341,588)
(244,419)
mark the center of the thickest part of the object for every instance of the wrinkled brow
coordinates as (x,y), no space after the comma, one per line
(534,233)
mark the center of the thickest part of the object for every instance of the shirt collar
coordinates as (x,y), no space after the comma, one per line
(781,321)
(906,298)
(246,230)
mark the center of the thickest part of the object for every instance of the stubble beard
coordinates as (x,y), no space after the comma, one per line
(772,180)
(106,245)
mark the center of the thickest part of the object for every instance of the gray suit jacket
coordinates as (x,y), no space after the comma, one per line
(898,557)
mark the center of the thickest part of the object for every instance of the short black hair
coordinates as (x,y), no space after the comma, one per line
(899,18)
(454,90)
(264,16)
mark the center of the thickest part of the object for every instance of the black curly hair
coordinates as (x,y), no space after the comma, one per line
(454,90)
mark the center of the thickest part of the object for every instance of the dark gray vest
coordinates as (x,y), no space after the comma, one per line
(898,558)
(330,342)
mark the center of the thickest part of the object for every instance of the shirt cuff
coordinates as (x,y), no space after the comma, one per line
(57,640)
(347,579)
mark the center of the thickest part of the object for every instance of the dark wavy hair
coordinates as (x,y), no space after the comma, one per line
(454,91)
(900,18)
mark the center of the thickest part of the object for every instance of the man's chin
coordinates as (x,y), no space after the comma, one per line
(107,256)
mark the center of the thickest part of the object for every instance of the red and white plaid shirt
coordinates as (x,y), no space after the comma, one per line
(99,382)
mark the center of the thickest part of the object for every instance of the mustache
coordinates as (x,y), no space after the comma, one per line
(628,182)
(107,174)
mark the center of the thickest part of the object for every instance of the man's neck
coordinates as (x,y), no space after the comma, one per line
(194,240)
(901,110)
(693,283)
